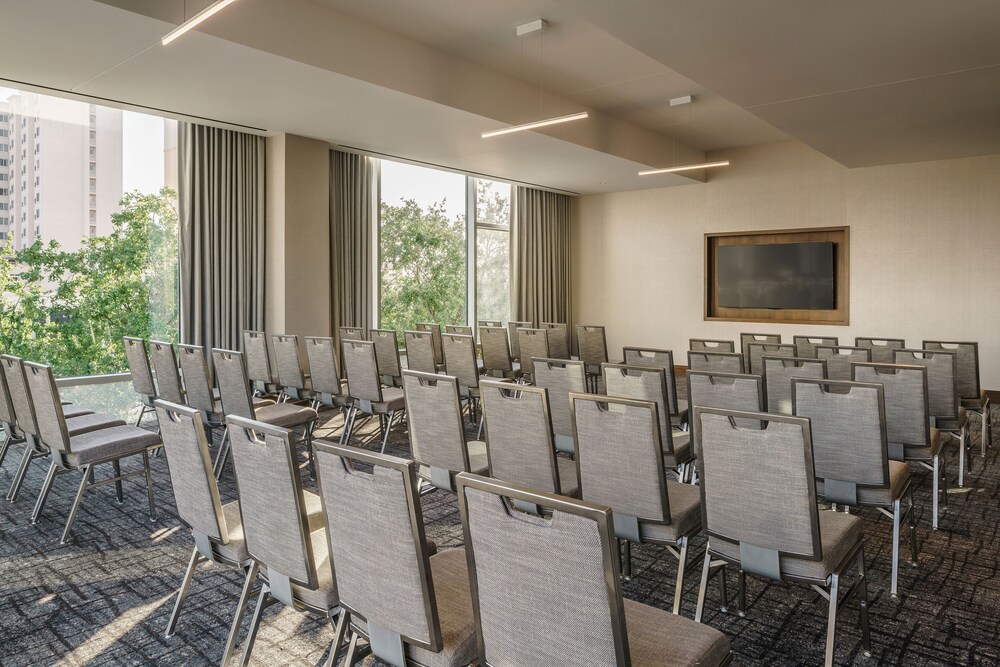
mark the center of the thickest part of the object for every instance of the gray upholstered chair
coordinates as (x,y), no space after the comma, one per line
(365,389)
(460,363)
(292,375)
(805,346)
(489,323)
(420,351)
(769,529)
(497,360)
(851,454)
(593,346)
(649,383)
(747,338)
(291,550)
(534,344)
(387,356)
(559,343)
(437,435)
(412,604)
(732,391)
(259,356)
(83,452)
(168,378)
(778,374)
(973,397)
(839,358)
(435,330)
(757,351)
(8,422)
(329,389)
(349,333)
(942,397)
(882,348)
(462,329)
(527,572)
(715,362)
(909,435)
(561,378)
(620,461)
(515,341)
(141,373)
(710,345)
(519,439)
(642,356)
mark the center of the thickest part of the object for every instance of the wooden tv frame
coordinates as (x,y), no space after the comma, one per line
(839,236)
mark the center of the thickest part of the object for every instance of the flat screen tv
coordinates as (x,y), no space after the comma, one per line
(779,276)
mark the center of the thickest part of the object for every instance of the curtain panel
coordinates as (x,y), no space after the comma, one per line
(221,202)
(353,206)
(540,256)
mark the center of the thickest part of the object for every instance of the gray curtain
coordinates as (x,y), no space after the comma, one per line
(540,256)
(221,197)
(353,202)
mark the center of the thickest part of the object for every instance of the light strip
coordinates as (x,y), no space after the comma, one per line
(687,167)
(536,124)
(204,14)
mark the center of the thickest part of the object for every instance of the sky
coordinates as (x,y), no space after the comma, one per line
(425,186)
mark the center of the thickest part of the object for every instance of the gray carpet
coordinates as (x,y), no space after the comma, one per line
(105,599)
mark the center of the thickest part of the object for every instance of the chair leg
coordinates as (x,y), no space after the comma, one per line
(723,591)
(76,502)
(119,491)
(911,519)
(831,623)
(388,427)
(681,567)
(934,494)
(149,485)
(22,470)
(741,594)
(241,608)
(339,631)
(352,650)
(44,494)
(961,457)
(706,573)
(896,510)
(627,560)
(220,459)
(7,441)
(866,630)
(254,626)
(182,592)
(345,434)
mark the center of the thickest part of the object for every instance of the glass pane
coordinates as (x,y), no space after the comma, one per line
(113,398)
(422,243)
(492,274)
(492,204)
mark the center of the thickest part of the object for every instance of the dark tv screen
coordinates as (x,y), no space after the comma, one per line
(779,275)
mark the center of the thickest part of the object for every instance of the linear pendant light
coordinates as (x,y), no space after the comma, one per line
(538,123)
(201,16)
(686,167)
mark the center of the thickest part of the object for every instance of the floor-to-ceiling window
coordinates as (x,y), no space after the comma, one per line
(492,229)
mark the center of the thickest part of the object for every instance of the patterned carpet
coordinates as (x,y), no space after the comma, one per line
(105,598)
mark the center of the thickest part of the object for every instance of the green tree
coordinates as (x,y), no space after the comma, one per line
(492,250)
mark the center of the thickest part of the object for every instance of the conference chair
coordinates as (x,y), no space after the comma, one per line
(974,398)
(774,530)
(851,454)
(83,452)
(778,375)
(258,356)
(534,344)
(839,358)
(621,465)
(329,389)
(168,378)
(497,361)
(387,356)
(292,375)
(564,560)
(731,391)
(141,373)
(711,345)
(641,356)
(437,435)
(715,362)
(8,422)
(411,603)
(365,389)
(460,363)
(757,351)
(490,323)
(515,341)
(435,330)
(593,346)
(747,338)
(461,329)
(420,351)
(882,348)
(561,378)
(805,346)
(519,441)
(559,344)
(349,333)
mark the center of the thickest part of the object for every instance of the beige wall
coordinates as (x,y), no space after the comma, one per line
(925,248)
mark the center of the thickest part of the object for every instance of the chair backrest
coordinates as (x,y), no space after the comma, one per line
(558,339)
(519,435)
(758,350)
(378,547)
(730,391)
(619,458)
(138,367)
(288,361)
(234,384)
(711,345)
(592,343)
(322,355)
(460,329)
(387,354)
(168,379)
(515,341)
(20,396)
(849,442)
(882,348)
(8,419)
(352,333)
(434,416)
(272,504)
(496,350)
(561,378)
(716,362)
(778,374)
(197,379)
(641,356)
(904,389)
(742,501)
(534,344)
(48,410)
(460,359)
(420,351)
(967,361)
(196,492)
(942,378)
(565,560)
(361,370)
(839,359)
(747,338)
(435,330)
(805,346)
(258,357)
(489,323)
(642,383)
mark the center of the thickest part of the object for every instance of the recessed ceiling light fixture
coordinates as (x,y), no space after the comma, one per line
(201,16)
(538,123)
(686,167)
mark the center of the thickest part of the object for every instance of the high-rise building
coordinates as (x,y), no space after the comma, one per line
(61,172)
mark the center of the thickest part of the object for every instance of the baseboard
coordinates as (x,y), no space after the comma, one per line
(994,395)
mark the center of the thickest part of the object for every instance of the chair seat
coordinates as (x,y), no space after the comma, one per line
(685,515)
(94,421)
(70,411)
(912,453)
(568,483)
(392,400)
(953,424)
(286,414)
(976,404)
(478,461)
(109,443)
(658,638)
(839,534)
(236,550)
(324,596)
(899,476)
(682,413)
(682,451)
(449,571)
